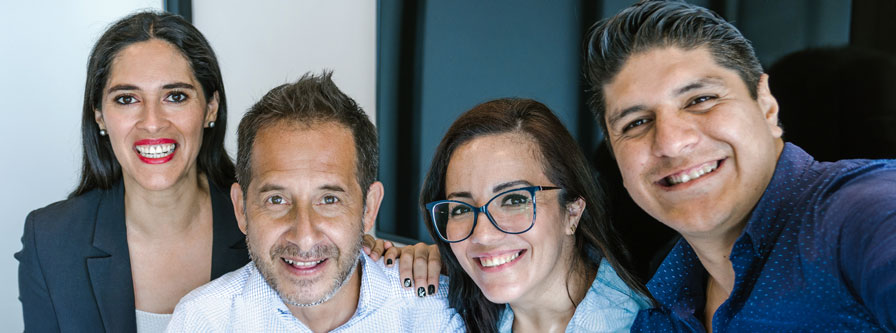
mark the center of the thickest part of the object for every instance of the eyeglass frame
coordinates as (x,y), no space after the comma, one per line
(482,209)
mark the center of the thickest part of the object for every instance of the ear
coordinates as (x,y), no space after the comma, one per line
(372,205)
(98,117)
(769,106)
(239,207)
(574,211)
(211,109)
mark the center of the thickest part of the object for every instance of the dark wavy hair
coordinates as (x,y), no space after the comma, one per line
(100,168)
(562,162)
(653,24)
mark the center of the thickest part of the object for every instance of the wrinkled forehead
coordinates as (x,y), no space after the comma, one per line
(323,150)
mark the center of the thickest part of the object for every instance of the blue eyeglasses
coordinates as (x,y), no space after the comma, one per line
(511,211)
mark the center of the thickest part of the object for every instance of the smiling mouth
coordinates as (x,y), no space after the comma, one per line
(156,151)
(499,260)
(303,264)
(690,175)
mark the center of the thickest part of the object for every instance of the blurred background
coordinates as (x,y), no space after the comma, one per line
(414,66)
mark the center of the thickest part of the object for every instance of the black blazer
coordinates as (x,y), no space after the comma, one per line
(75,270)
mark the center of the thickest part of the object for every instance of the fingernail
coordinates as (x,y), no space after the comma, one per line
(389,262)
(407,283)
(432,289)
(421,292)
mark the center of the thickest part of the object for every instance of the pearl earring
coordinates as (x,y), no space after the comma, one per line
(211,124)
(102,132)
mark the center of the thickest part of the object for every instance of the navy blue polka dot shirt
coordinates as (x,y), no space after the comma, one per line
(817,254)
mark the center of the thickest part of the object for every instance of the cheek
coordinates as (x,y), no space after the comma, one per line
(459,249)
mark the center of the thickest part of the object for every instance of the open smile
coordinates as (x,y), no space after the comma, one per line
(496,262)
(304,267)
(691,174)
(155,151)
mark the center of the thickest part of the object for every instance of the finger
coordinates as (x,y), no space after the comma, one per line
(377,250)
(406,266)
(367,243)
(434,265)
(421,263)
(388,245)
(391,254)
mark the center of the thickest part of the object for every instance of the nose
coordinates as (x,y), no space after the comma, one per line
(303,229)
(674,134)
(484,232)
(152,117)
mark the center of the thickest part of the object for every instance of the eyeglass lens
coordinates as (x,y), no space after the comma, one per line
(513,212)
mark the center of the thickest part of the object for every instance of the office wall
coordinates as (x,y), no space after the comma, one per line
(43,55)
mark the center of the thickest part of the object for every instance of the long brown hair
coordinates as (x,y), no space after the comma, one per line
(563,163)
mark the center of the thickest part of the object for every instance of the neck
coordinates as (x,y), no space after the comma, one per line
(166,212)
(714,253)
(551,309)
(331,314)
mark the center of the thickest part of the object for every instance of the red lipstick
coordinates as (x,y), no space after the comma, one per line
(151,142)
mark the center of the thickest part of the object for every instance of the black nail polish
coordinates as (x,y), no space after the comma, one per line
(432,289)
(421,292)
(407,283)
(389,262)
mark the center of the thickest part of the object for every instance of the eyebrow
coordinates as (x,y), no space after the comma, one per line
(496,189)
(701,83)
(175,85)
(274,187)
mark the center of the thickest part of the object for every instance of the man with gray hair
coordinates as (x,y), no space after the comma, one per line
(772,239)
(306,194)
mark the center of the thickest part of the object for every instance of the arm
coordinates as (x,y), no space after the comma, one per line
(866,210)
(37,306)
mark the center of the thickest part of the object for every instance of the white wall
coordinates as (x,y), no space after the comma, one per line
(268,43)
(43,57)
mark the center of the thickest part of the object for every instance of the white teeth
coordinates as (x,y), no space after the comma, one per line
(156,151)
(693,174)
(302,264)
(497,261)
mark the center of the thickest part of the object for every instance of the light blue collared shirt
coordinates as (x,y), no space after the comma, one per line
(609,306)
(241,301)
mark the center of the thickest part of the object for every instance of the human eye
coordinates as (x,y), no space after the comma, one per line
(275,200)
(177,97)
(125,99)
(459,211)
(329,200)
(635,124)
(700,99)
(514,200)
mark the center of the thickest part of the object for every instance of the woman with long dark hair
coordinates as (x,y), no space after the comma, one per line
(520,224)
(151,218)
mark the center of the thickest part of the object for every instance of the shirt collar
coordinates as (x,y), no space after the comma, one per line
(764,226)
(679,282)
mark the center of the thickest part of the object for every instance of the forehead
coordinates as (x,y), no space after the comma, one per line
(493,159)
(318,152)
(149,61)
(653,76)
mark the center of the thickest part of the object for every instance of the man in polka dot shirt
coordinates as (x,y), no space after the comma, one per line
(772,240)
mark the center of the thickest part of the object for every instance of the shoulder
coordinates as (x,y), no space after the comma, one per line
(219,291)
(210,305)
(430,312)
(609,305)
(67,211)
(71,219)
(858,190)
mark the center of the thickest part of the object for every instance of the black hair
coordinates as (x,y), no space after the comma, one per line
(654,24)
(100,168)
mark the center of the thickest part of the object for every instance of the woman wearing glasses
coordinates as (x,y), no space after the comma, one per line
(518,219)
